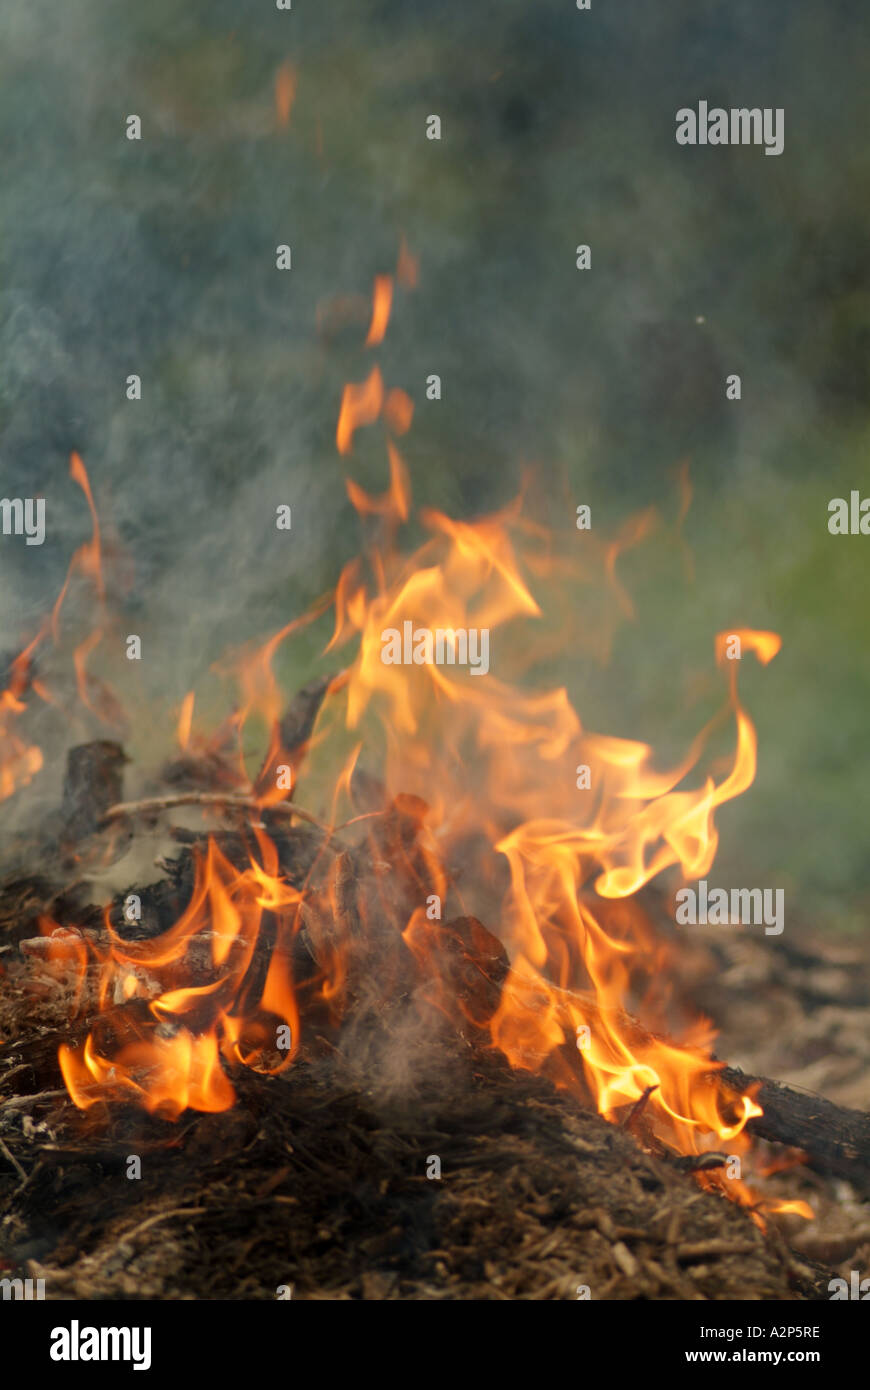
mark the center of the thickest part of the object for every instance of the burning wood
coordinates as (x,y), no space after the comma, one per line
(282,942)
(370,912)
(93,783)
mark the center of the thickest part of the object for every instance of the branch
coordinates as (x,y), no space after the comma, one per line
(218,800)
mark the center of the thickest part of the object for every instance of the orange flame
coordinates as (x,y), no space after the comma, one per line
(482,771)
(395,503)
(87,560)
(217,936)
(383,300)
(407,268)
(360,405)
(20,761)
(185,720)
(285,93)
(398,411)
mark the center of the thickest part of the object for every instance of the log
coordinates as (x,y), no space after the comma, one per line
(230,801)
(836,1141)
(93,783)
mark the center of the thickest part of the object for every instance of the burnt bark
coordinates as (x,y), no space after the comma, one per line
(94,781)
(836,1141)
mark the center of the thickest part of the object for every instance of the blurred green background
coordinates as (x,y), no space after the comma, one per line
(158,257)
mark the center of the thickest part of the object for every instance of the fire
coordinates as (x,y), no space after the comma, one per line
(285,93)
(555,829)
(360,405)
(166,1053)
(575,963)
(398,410)
(20,761)
(185,720)
(87,560)
(383,302)
(504,759)
(364,402)
(395,503)
(407,269)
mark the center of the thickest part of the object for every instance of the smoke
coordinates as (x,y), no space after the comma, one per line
(157,257)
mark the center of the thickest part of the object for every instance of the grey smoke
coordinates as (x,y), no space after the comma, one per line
(157,257)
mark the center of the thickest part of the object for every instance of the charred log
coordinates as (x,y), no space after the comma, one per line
(94,781)
(834,1140)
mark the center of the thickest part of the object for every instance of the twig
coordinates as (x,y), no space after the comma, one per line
(15,1101)
(160,1216)
(231,800)
(639,1105)
(13,1160)
(13,1071)
(701,1163)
